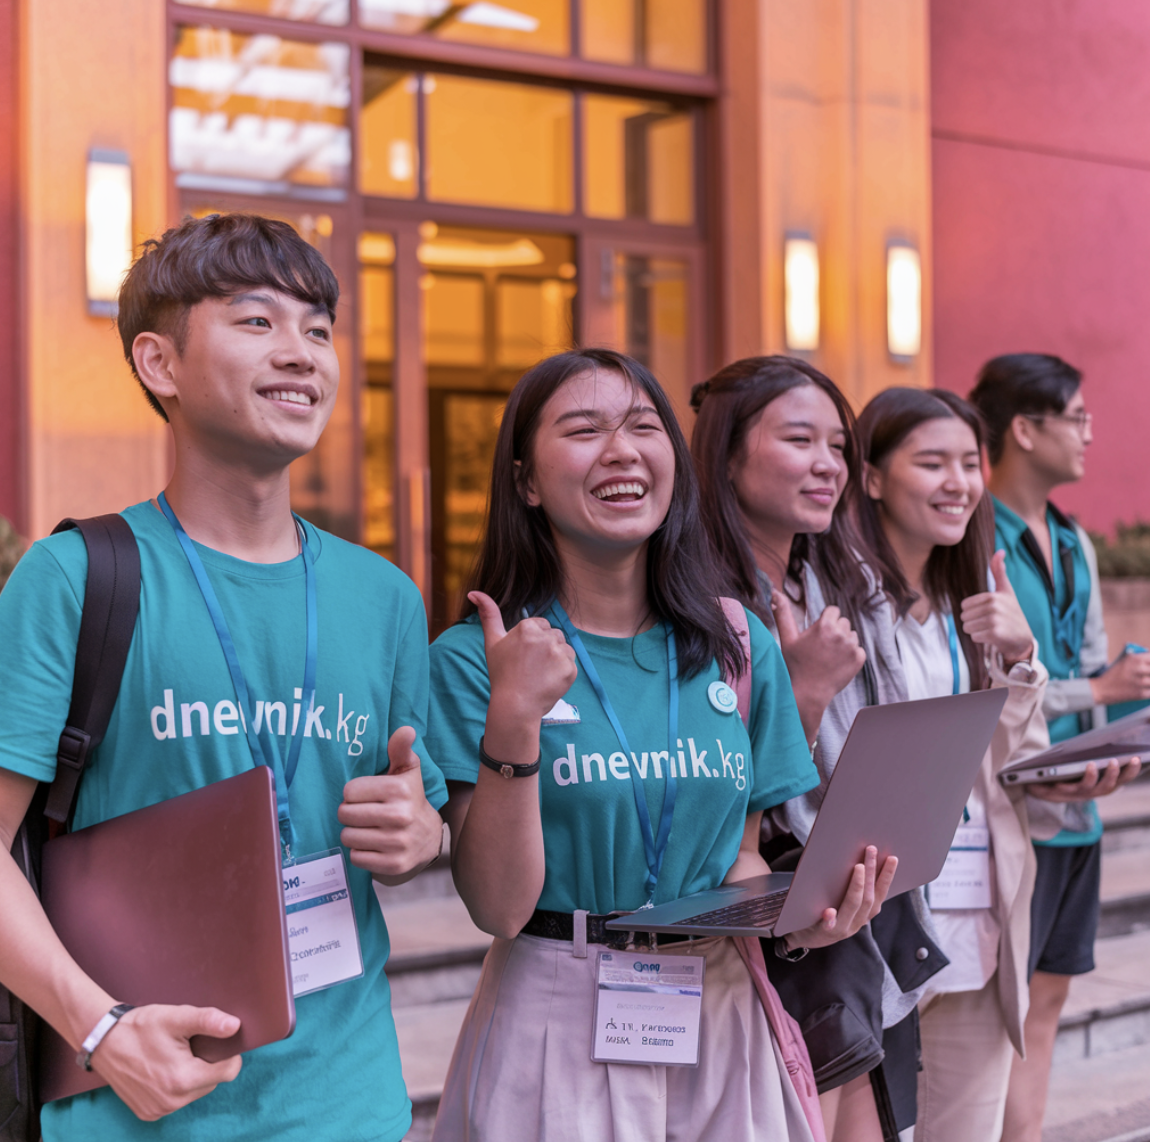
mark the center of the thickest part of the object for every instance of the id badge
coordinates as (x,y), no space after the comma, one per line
(322,935)
(965,878)
(648,1009)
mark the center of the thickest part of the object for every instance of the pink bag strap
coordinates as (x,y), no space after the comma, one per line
(741,683)
(787,1034)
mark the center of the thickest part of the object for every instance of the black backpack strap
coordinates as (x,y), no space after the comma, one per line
(111,604)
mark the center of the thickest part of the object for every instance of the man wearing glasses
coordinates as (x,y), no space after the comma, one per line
(1037,431)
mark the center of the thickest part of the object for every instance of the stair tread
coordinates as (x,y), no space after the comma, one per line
(427,1034)
(1092,1100)
(1119,980)
(428,928)
(1128,804)
(1125,874)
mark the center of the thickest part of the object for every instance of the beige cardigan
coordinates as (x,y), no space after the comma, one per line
(1021,731)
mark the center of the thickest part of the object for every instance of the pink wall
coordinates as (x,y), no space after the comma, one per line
(1041,168)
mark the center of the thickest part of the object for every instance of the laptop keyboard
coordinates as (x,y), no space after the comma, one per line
(758,912)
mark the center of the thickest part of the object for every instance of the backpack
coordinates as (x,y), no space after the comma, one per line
(788,1035)
(111,604)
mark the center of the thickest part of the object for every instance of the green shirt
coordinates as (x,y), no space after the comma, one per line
(175,728)
(592,841)
(1054,601)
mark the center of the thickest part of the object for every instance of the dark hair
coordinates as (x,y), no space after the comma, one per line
(1020,384)
(216,256)
(518,564)
(728,405)
(952,573)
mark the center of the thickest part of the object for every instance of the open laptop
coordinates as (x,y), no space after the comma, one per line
(1121,739)
(180,902)
(901,782)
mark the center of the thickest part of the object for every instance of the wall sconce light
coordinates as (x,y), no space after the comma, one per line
(109,228)
(903,301)
(801,282)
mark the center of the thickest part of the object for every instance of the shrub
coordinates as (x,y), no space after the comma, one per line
(1128,556)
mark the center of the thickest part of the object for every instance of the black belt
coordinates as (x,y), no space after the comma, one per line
(561,926)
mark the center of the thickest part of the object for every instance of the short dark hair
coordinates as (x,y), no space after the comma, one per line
(216,256)
(1020,384)
(518,564)
(952,573)
(728,404)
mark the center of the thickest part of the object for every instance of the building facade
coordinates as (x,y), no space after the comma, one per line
(491,183)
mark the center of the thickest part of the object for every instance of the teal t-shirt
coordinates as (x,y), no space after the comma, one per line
(1054,602)
(175,728)
(592,841)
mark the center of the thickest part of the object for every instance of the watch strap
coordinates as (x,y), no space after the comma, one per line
(506,769)
(107,1022)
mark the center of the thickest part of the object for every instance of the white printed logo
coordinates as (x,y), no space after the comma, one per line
(594,766)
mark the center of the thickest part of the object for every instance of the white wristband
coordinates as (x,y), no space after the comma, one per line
(84,1058)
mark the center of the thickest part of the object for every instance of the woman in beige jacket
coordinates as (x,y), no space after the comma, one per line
(930,524)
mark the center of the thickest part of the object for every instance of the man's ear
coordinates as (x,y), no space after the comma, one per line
(872,480)
(155,358)
(526,486)
(1022,432)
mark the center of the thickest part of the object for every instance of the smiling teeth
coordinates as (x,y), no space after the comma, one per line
(289,396)
(949,509)
(620,490)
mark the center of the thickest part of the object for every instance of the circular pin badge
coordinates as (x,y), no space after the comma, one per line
(722,697)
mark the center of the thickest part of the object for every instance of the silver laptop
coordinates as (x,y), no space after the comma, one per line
(1122,739)
(901,782)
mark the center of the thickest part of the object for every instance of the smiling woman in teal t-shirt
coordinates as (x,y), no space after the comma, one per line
(595,762)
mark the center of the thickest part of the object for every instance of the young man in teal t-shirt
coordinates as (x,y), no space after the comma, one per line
(1038,430)
(227,325)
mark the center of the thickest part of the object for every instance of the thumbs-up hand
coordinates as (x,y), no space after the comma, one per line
(530,667)
(821,660)
(390,827)
(995,619)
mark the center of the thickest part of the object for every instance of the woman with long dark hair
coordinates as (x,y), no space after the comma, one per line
(596,763)
(779,470)
(930,526)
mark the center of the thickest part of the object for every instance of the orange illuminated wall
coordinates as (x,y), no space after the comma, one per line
(11,411)
(1041,164)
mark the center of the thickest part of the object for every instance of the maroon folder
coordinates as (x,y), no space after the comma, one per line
(181,902)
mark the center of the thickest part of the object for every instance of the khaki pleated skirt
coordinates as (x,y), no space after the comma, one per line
(522,1069)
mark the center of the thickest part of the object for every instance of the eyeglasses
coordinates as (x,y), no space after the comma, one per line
(1081,420)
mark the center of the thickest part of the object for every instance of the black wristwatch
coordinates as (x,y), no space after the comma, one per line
(793,956)
(506,769)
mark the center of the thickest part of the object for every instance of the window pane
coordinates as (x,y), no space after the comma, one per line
(453,319)
(534,319)
(258,114)
(498,144)
(670,35)
(318,11)
(528,25)
(388,152)
(651,316)
(638,160)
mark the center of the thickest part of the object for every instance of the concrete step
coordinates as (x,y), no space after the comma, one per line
(1108,1010)
(1126,817)
(1102,1099)
(436,951)
(1125,892)
(427,1034)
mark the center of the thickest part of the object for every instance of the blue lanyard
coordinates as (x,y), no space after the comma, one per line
(264,751)
(654,848)
(952,639)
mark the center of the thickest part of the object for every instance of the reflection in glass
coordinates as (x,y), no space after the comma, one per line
(316,11)
(527,25)
(496,301)
(638,160)
(388,151)
(498,144)
(669,35)
(377,346)
(257,113)
(651,316)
